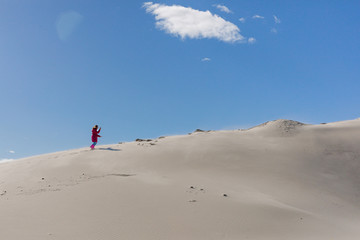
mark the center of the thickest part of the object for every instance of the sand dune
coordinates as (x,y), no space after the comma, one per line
(279,180)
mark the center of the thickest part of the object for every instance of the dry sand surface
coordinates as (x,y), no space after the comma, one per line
(280,180)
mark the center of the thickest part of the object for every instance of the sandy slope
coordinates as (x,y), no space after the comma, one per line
(281,180)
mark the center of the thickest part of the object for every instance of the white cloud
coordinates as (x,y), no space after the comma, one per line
(257,17)
(206,59)
(12,151)
(67,23)
(185,22)
(223,8)
(277,20)
(274,30)
(251,40)
(5,160)
(242,20)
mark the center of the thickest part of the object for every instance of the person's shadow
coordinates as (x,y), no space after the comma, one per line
(109,149)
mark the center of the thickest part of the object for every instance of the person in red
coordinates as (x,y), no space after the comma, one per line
(95,135)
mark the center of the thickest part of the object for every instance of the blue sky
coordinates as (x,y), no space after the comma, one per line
(146,69)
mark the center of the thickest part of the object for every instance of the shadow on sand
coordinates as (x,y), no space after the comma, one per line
(109,149)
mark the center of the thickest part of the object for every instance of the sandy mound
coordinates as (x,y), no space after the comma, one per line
(279,127)
(280,180)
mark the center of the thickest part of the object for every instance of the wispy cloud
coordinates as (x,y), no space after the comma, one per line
(67,23)
(258,17)
(185,22)
(242,20)
(206,59)
(12,151)
(251,40)
(222,8)
(274,30)
(276,19)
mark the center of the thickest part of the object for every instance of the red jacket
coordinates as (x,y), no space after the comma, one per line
(95,134)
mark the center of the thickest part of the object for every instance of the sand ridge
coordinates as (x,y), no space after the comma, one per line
(280,180)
